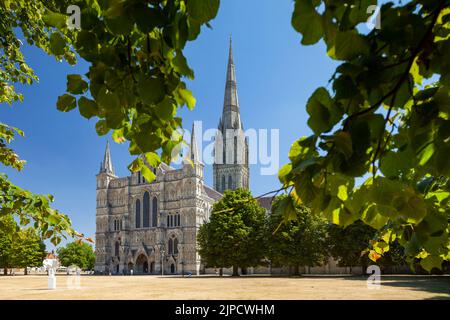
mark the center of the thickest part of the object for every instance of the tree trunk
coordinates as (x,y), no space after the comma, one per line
(297,270)
(235,271)
(25,271)
(5,271)
(221,272)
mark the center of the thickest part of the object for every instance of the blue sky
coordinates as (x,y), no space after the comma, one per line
(275,74)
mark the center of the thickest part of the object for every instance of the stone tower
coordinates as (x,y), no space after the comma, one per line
(231,170)
(104,177)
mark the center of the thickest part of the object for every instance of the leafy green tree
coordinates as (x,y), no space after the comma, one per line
(395,257)
(32,20)
(234,235)
(385,122)
(77,253)
(8,228)
(298,242)
(348,244)
(27,249)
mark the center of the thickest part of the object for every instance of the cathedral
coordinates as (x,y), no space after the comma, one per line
(151,228)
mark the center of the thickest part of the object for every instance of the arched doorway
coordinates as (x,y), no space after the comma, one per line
(142,264)
(172,268)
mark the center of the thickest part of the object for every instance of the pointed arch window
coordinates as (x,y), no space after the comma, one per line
(170,246)
(138,213)
(146,213)
(155,212)
(223,183)
(116,249)
(175,246)
(230,182)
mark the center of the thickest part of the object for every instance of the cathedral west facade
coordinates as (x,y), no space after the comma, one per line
(151,228)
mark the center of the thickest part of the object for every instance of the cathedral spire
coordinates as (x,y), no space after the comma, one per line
(106,166)
(231,117)
(194,148)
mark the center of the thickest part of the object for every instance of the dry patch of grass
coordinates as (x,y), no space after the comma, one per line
(251,287)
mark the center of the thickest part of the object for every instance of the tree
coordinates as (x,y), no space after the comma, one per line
(27,250)
(8,228)
(298,242)
(348,244)
(385,122)
(234,235)
(32,20)
(80,254)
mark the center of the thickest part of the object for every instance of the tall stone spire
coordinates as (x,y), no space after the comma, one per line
(106,166)
(231,169)
(231,118)
(194,148)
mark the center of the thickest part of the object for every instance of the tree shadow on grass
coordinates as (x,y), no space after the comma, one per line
(434,284)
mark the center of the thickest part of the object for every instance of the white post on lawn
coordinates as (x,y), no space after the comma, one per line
(51,265)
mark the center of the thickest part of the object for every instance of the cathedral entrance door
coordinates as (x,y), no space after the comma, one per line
(141,264)
(172,268)
(145,267)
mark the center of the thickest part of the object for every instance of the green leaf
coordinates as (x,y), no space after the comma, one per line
(348,45)
(426,153)
(285,207)
(87,43)
(119,22)
(343,143)
(373,217)
(165,109)
(66,103)
(136,165)
(54,19)
(188,98)
(147,173)
(75,84)
(181,66)
(151,91)
(57,44)
(110,102)
(202,10)
(283,172)
(88,108)
(431,262)
(101,127)
(307,21)
(146,18)
(323,115)
(152,159)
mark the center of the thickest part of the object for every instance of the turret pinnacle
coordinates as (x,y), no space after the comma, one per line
(194,148)
(106,166)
